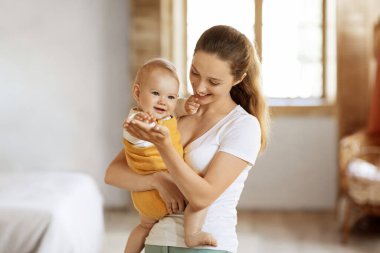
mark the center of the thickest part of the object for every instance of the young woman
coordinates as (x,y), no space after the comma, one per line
(221,142)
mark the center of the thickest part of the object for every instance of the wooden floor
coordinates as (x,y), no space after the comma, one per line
(267,232)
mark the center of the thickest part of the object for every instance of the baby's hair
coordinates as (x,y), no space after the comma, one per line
(156,63)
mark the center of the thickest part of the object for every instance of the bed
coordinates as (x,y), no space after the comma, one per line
(50,212)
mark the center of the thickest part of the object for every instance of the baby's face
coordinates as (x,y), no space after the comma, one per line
(158,93)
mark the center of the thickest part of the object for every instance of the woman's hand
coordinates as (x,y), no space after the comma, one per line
(157,134)
(169,192)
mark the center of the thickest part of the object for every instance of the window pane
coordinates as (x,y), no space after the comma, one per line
(202,14)
(292,48)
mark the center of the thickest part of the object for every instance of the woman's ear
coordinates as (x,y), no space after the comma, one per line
(136,91)
(241,79)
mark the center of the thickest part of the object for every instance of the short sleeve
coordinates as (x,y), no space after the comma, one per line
(242,138)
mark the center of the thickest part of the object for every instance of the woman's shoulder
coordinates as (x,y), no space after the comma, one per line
(242,119)
(240,136)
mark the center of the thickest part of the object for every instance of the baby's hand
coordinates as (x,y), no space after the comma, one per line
(144,117)
(191,105)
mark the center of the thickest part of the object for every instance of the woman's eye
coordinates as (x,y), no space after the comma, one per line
(194,73)
(213,82)
(155,93)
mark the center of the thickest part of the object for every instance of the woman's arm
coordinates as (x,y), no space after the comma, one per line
(202,191)
(120,175)
(199,191)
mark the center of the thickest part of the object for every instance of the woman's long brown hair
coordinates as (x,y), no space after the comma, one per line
(234,47)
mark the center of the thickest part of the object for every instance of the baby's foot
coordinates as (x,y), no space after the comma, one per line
(200,239)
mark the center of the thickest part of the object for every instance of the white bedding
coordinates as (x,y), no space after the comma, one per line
(56,212)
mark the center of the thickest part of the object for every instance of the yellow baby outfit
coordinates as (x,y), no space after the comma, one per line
(147,160)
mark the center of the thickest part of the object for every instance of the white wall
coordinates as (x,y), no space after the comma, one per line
(64,85)
(299,168)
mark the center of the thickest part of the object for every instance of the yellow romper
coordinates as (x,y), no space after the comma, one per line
(147,160)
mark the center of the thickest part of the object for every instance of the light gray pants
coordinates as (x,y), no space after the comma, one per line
(169,249)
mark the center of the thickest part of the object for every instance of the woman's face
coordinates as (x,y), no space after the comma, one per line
(210,78)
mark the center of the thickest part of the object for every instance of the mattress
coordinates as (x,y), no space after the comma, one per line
(55,212)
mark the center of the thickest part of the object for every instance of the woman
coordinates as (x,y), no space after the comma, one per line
(221,142)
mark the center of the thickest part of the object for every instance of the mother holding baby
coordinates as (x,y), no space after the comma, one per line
(221,142)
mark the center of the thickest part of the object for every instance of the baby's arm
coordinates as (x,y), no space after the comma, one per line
(186,106)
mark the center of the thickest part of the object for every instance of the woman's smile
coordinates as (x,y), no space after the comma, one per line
(201,96)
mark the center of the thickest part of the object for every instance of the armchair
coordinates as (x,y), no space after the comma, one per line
(359,178)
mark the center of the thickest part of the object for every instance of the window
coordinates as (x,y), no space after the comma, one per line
(211,16)
(297,52)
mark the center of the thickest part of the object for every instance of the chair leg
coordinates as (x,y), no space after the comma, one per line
(346,223)
(338,204)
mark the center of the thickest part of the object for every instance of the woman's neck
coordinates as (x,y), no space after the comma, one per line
(217,108)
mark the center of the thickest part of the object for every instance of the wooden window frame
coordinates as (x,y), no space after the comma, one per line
(174,47)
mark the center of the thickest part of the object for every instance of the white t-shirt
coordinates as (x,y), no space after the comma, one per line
(238,133)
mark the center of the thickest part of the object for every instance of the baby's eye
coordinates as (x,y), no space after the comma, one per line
(156,93)
(171,97)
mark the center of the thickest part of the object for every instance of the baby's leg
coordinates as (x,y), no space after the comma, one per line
(137,237)
(193,229)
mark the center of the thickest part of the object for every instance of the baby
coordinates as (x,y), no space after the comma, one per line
(156,92)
